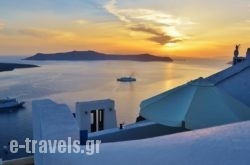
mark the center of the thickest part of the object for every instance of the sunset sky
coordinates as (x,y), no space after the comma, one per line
(176,28)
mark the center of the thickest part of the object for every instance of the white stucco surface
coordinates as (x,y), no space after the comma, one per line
(228,144)
(52,121)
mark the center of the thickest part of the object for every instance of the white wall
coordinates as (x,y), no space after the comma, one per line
(52,121)
(83,112)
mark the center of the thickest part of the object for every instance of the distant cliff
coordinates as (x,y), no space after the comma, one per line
(92,55)
(12,66)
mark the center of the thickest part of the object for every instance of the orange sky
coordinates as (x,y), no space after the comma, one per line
(194,28)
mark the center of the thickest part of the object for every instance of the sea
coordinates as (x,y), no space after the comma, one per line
(68,82)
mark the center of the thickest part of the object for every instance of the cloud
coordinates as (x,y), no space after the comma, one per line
(37,33)
(163,39)
(147,29)
(158,36)
(43,33)
(161,26)
(111,8)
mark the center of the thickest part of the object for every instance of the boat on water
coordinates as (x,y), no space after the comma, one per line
(9,103)
(126,79)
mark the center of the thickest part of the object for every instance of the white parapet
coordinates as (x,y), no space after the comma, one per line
(52,121)
(99,114)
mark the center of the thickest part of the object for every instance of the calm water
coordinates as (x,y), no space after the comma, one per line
(68,82)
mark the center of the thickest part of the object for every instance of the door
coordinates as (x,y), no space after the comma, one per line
(100,119)
(93,124)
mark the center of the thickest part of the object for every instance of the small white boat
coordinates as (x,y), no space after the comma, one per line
(126,79)
(9,103)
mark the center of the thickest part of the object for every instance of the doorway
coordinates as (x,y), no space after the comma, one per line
(97,120)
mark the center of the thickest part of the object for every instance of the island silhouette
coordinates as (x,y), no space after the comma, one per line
(93,55)
(12,66)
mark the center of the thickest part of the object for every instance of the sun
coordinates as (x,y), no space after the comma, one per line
(171,44)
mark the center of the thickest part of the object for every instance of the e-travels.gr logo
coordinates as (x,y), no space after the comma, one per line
(56,146)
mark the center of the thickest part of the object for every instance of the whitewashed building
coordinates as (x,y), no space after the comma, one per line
(96,115)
